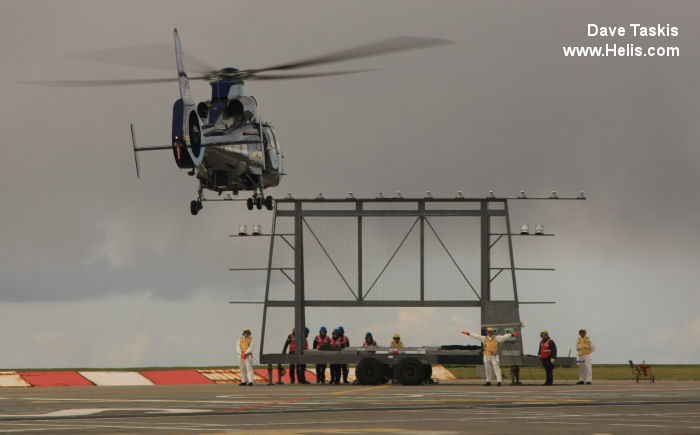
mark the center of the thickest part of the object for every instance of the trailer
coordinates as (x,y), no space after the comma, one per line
(456,252)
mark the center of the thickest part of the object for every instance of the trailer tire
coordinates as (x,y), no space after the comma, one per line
(410,371)
(369,371)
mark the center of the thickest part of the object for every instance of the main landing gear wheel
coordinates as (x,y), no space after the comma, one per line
(250,203)
(195,206)
(258,202)
(268,203)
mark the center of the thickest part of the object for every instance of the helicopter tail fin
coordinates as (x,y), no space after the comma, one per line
(182,75)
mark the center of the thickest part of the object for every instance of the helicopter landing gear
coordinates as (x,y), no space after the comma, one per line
(195,206)
(257,201)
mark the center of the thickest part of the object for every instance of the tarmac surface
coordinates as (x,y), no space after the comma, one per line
(456,407)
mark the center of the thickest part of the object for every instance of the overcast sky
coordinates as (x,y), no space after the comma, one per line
(101,269)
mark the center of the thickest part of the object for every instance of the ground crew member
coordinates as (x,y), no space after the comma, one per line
(346,344)
(584,348)
(369,340)
(336,344)
(301,368)
(291,343)
(491,360)
(244,349)
(548,354)
(396,342)
(321,342)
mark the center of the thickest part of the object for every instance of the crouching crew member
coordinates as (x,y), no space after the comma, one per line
(322,342)
(584,348)
(548,354)
(369,341)
(491,361)
(396,342)
(244,349)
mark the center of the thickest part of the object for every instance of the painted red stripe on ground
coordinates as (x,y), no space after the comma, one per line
(55,379)
(175,377)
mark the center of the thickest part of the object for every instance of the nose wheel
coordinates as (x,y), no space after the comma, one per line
(195,206)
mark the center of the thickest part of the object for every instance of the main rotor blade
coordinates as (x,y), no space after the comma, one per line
(304,76)
(79,83)
(154,56)
(384,46)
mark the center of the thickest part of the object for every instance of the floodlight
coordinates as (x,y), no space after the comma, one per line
(320,195)
(380,195)
(524,229)
(522,195)
(350,196)
(491,195)
(242,230)
(539,229)
(428,195)
(256,230)
(553,195)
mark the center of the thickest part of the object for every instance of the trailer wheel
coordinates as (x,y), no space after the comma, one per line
(410,371)
(369,371)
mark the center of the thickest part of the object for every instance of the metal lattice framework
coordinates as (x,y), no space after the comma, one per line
(491,256)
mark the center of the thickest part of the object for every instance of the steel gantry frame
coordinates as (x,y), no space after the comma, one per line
(498,313)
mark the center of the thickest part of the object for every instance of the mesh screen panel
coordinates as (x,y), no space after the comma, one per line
(331,274)
(461,239)
(384,277)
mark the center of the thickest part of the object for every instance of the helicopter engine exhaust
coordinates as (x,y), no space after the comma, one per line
(187,135)
(243,108)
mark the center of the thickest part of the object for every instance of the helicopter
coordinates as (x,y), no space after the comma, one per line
(222,141)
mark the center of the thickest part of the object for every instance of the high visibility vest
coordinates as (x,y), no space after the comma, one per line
(365,344)
(319,342)
(337,343)
(490,345)
(346,341)
(396,344)
(245,343)
(583,345)
(292,343)
(545,350)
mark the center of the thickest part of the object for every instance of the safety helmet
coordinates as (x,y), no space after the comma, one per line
(489,329)
(582,330)
(368,334)
(323,329)
(340,330)
(544,332)
(306,330)
(335,331)
(397,336)
(246,330)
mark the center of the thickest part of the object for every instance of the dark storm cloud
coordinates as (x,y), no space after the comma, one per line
(502,109)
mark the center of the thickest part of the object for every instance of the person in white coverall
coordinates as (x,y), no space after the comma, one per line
(244,348)
(491,362)
(584,348)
